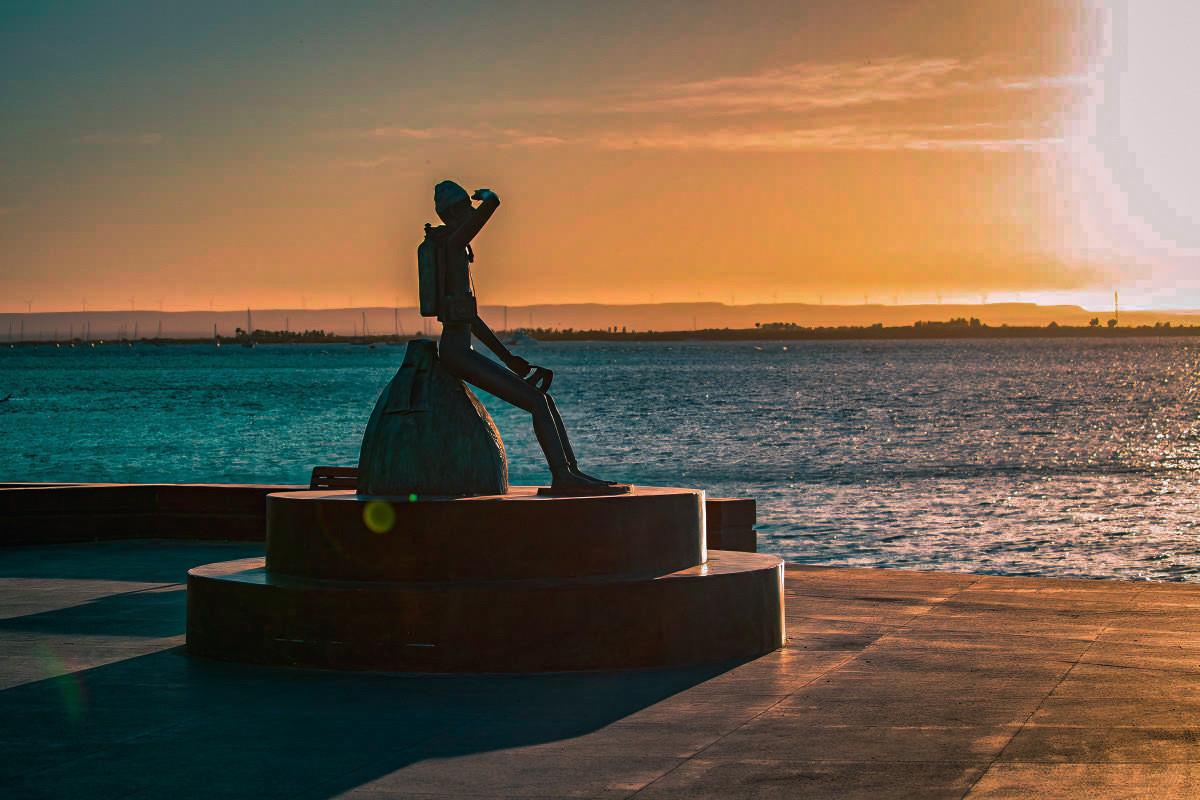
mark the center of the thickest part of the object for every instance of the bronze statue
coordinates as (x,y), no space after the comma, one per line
(446,291)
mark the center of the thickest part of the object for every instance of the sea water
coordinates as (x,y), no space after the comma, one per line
(1024,457)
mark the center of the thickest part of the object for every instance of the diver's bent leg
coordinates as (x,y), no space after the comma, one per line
(480,371)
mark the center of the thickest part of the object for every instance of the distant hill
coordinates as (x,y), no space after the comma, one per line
(588,316)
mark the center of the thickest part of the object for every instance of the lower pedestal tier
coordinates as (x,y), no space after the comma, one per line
(729,608)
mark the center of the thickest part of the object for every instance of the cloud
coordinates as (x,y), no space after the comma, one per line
(474,132)
(807,86)
(833,85)
(150,139)
(1085,80)
(538,140)
(515,137)
(844,105)
(829,138)
(390,133)
(840,106)
(488,135)
(372,163)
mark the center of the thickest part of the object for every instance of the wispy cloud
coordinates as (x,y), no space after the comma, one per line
(845,105)
(829,138)
(471,132)
(812,86)
(800,87)
(372,163)
(488,135)
(392,133)
(1078,81)
(515,137)
(149,139)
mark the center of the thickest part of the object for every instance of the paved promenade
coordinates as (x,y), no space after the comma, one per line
(894,684)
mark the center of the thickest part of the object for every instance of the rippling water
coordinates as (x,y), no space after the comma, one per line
(1031,457)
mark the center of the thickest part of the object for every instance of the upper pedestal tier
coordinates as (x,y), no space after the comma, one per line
(516,536)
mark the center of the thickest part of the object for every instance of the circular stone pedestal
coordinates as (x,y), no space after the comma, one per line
(512,583)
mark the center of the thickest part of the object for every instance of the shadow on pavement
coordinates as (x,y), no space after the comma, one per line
(138,560)
(169,724)
(166,724)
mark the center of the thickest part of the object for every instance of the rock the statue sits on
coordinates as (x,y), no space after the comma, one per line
(430,435)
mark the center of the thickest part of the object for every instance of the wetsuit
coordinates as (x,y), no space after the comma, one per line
(460,319)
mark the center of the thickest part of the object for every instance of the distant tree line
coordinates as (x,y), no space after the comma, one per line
(261,335)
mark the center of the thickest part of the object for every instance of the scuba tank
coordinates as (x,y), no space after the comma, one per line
(429,273)
(435,301)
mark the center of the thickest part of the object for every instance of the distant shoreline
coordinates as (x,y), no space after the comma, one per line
(921,331)
(704,320)
(955,329)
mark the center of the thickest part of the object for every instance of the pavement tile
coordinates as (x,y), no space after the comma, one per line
(877,612)
(1150,638)
(791,737)
(903,660)
(769,778)
(1096,744)
(1175,658)
(1014,623)
(1098,681)
(970,710)
(1016,683)
(988,646)
(1144,621)
(700,706)
(781,672)
(1071,781)
(1092,712)
(506,773)
(807,634)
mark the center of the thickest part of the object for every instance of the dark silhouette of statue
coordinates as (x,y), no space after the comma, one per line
(445,260)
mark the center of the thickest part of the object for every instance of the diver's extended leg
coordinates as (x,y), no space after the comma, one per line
(562,430)
(572,464)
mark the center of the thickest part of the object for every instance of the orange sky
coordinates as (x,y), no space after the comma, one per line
(285,156)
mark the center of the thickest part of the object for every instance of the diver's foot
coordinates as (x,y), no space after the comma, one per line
(577,472)
(572,485)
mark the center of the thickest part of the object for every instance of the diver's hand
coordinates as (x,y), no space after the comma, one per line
(484,194)
(519,366)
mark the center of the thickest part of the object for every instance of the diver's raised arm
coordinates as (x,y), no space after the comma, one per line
(463,234)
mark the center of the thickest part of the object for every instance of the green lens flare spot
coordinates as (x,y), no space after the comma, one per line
(412,498)
(379,517)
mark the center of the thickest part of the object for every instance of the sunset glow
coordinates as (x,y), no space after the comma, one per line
(898,152)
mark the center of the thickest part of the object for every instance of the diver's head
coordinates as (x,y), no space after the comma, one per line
(452,202)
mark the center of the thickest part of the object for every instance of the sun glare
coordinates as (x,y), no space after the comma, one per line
(1137,154)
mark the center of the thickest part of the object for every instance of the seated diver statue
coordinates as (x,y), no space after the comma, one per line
(445,260)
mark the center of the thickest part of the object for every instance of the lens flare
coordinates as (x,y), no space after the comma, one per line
(70,687)
(379,517)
